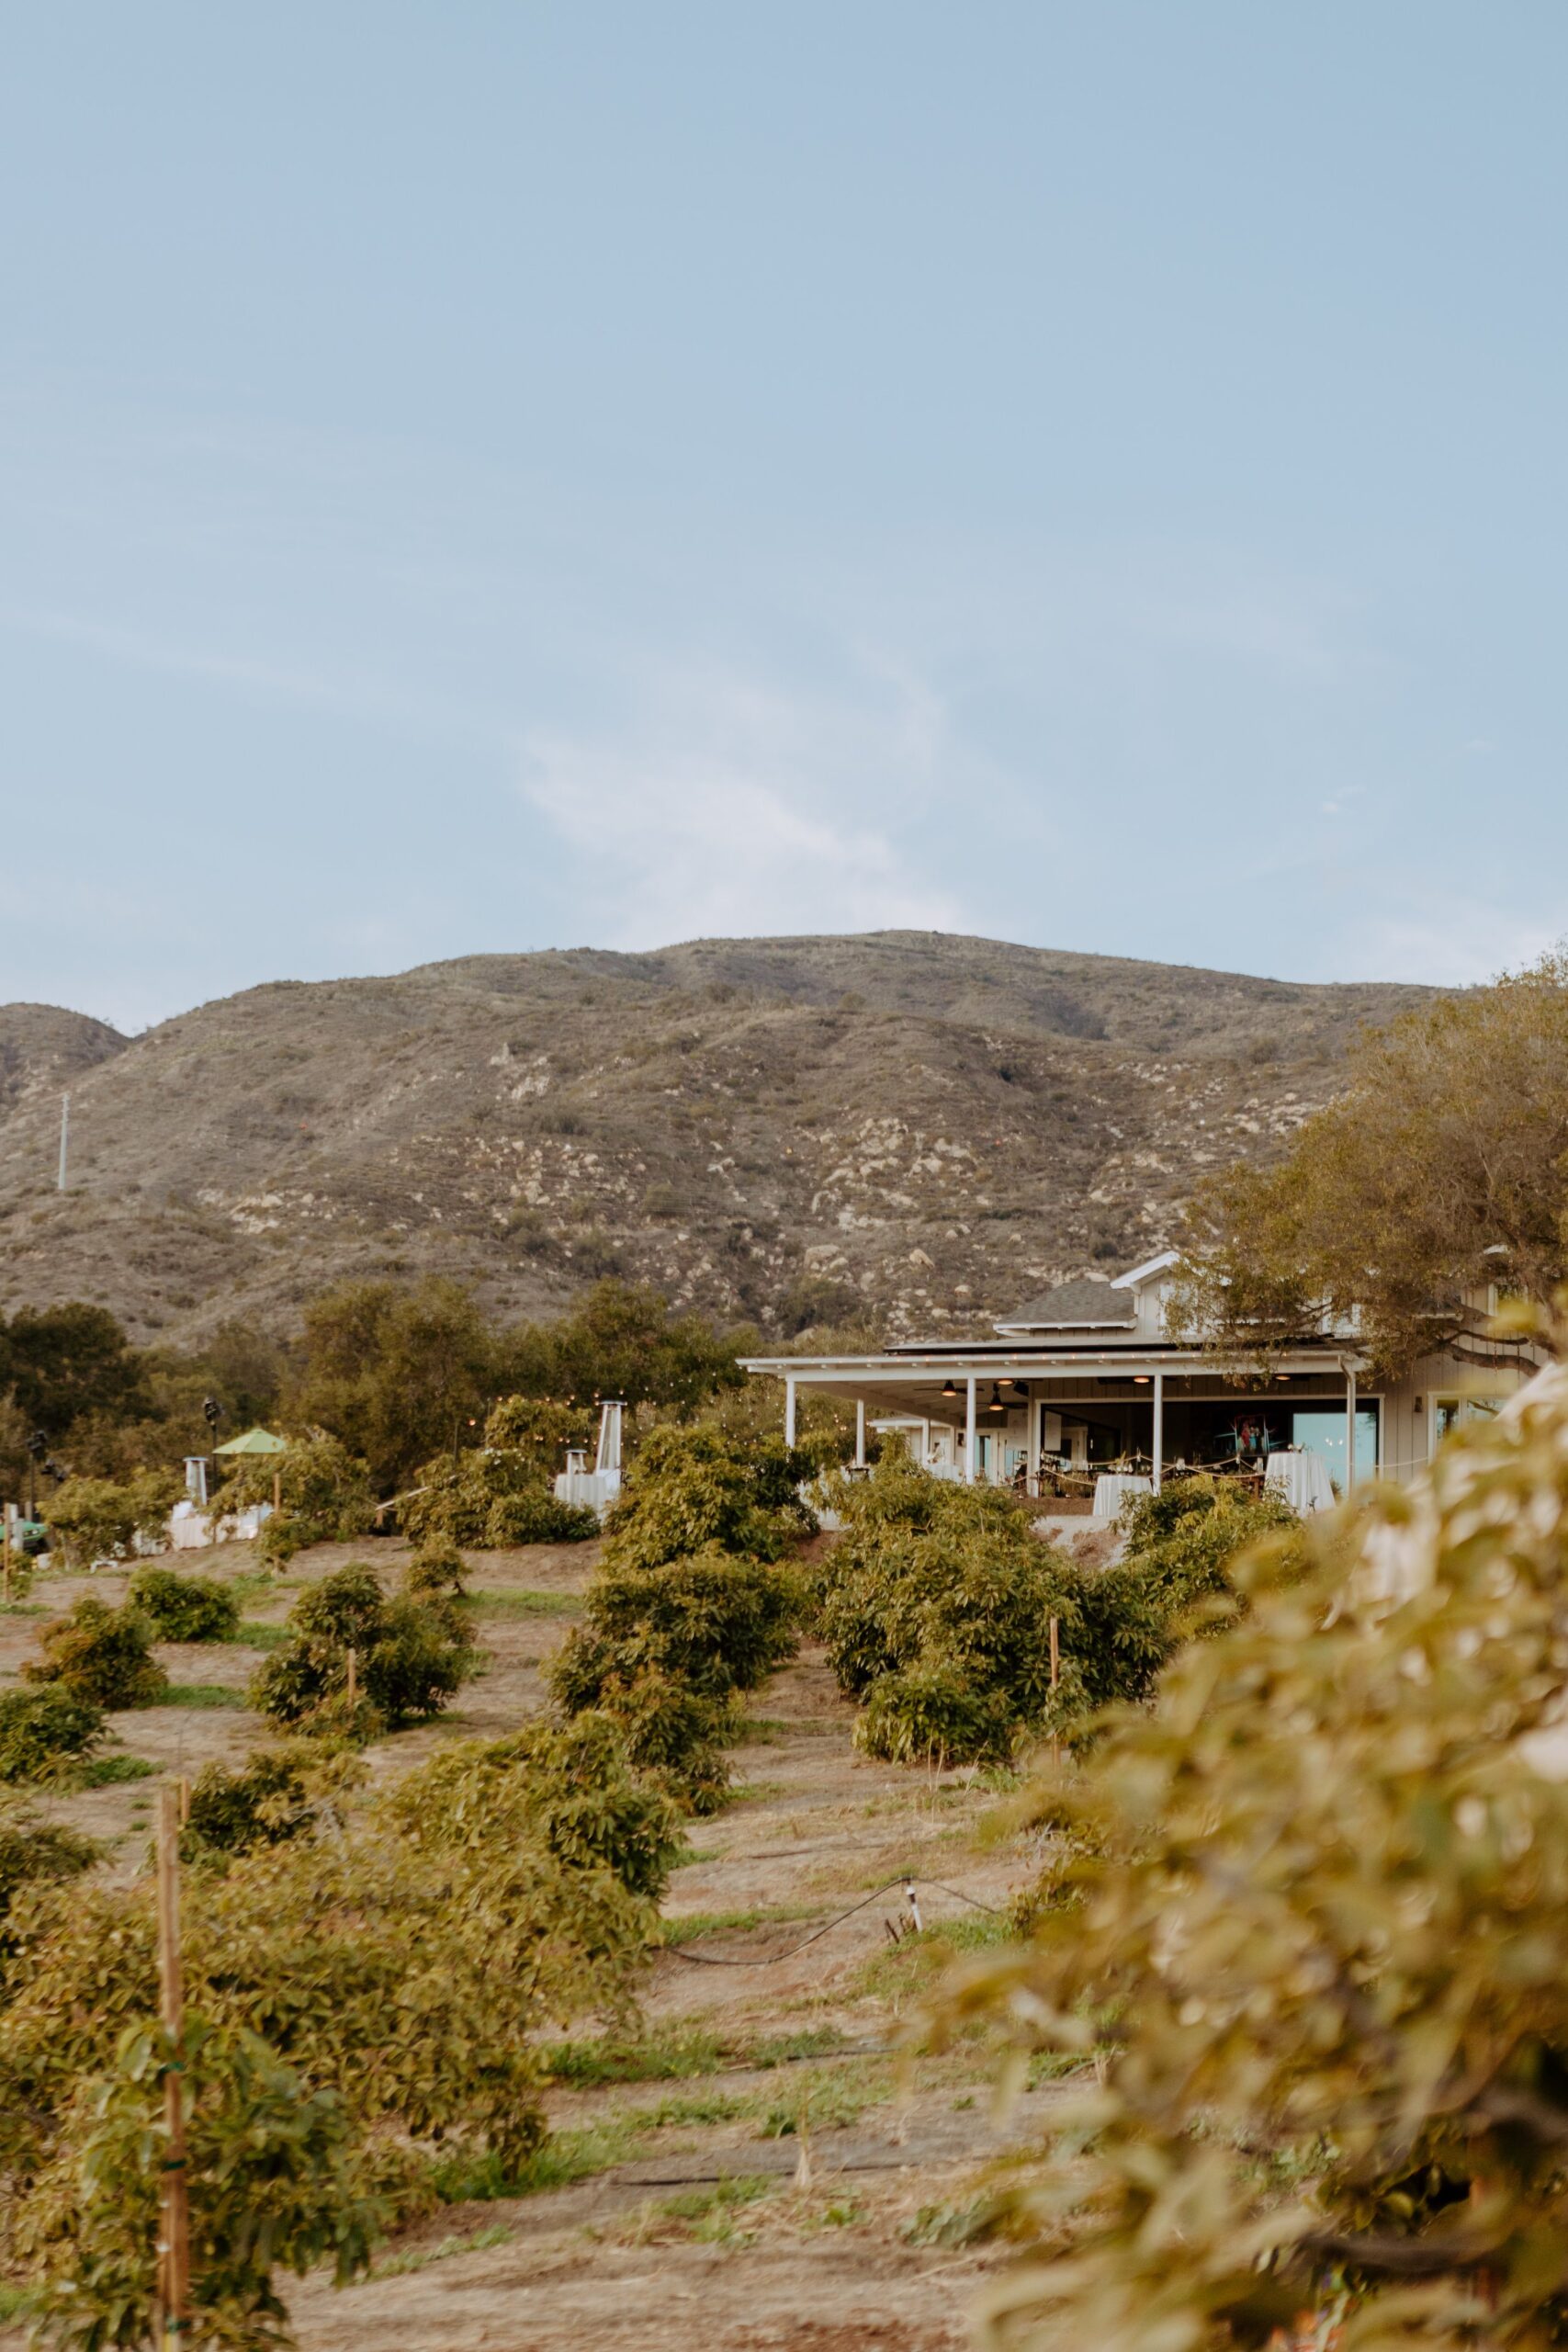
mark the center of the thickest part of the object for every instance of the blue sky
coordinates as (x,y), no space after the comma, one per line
(490,476)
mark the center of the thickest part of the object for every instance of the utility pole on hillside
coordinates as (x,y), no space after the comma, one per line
(64,1137)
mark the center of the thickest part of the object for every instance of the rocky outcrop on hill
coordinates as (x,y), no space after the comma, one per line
(912,1126)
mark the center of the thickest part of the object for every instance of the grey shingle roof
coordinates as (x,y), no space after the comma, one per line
(1076,1305)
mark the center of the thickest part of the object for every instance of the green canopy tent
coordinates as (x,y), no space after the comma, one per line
(252,1441)
(249,1446)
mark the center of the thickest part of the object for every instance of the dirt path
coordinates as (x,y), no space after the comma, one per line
(769,2166)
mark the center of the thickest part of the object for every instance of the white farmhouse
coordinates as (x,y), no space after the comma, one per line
(1083,1393)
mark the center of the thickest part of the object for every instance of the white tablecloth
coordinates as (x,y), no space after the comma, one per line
(1302,1478)
(1111,1490)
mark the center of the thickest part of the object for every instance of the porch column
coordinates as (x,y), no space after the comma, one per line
(1031,1464)
(860,1433)
(1349,1427)
(1157,1449)
(969,1431)
(789,1410)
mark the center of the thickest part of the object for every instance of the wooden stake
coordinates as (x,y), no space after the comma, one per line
(1055,1679)
(277,1491)
(353,1678)
(174,2239)
(185,1803)
(5,1514)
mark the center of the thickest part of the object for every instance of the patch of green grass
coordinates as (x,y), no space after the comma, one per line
(718,2107)
(252,1584)
(22,1608)
(783,2049)
(1050,2065)
(523,1604)
(577,2155)
(913,1963)
(253,1634)
(419,2257)
(950,2224)
(823,2104)
(697,1924)
(16,2302)
(701,2204)
(843,2214)
(574,2154)
(672,2055)
(771,1731)
(108,1772)
(201,1694)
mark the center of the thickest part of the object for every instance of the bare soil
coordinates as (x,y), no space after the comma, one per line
(798,2176)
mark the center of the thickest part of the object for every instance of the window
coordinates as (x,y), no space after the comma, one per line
(1450,1413)
(1324,1433)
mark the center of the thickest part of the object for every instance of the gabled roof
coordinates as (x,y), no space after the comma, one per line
(1082,1306)
(255,1440)
(1136,1276)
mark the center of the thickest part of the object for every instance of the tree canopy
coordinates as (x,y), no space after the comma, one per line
(622,1341)
(59,1362)
(1441,1172)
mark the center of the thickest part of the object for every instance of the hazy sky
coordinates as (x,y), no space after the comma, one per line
(496,476)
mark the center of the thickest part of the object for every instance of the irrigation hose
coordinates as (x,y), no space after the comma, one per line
(716,1959)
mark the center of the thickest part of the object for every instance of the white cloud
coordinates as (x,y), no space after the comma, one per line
(730,807)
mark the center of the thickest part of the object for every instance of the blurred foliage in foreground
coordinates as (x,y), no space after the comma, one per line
(1311,1911)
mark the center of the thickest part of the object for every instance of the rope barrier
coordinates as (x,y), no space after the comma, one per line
(716,1959)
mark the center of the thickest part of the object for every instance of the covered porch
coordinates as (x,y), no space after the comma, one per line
(1080,1431)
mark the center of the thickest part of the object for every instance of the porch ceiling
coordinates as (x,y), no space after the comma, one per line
(1123,1365)
(891,1387)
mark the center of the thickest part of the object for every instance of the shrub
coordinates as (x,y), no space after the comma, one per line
(101,1654)
(406,1965)
(435,1572)
(689,1489)
(573,1783)
(933,1711)
(23,1569)
(491,1500)
(263,1801)
(41,1729)
(516,1520)
(34,1853)
(104,1519)
(271,2179)
(1322,1889)
(185,1609)
(944,1593)
(673,1734)
(719,1625)
(1182,1540)
(326,1496)
(542,1428)
(411,1655)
